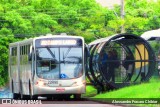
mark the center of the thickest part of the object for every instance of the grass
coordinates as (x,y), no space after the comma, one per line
(144,90)
(150,89)
(90,91)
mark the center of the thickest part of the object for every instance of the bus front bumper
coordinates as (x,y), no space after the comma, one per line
(40,90)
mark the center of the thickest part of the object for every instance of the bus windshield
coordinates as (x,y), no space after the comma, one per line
(59,62)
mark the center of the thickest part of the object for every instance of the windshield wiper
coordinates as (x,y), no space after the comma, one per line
(64,56)
(49,50)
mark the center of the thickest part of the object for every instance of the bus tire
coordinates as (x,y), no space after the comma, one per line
(30,91)
(67,97)
(26,97)
(15,95)
(34,97)
(77,96)
(49,97)
(21,92)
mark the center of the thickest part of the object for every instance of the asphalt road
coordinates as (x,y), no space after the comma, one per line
(62,104)
(45,103)
(6,96)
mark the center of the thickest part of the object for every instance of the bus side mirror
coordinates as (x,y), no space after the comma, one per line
(87,53)
(30,57)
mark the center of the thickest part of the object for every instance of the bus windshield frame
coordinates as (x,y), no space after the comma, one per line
(55,62)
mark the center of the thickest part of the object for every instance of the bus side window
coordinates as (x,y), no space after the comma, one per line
(30,52)
(30,57)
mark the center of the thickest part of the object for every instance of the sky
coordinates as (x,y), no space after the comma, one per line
(108,3)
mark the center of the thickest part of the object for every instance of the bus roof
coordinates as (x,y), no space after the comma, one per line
(45,36)
(151,35)
(101,40)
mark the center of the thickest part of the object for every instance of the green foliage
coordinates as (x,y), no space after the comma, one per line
(4,44)
(141,15)
(90,91)
(145,90)
(30,18)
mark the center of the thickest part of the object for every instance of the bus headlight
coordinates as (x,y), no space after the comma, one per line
(40,83)
(77,83)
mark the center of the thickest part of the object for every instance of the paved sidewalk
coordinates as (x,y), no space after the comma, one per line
(4,93)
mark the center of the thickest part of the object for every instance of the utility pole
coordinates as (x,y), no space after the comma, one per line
(123,71)
(122,16)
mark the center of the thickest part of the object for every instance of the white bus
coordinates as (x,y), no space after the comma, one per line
(51,65)
(153,37)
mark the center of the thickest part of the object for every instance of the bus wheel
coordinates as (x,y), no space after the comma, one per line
(67,97)
(15,95)
(21,92)
(27,97)
(34,97)
(77,96)
(49,97)
(30,92)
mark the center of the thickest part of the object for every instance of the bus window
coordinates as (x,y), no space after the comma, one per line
(47,63)
(49,66)
(71,62)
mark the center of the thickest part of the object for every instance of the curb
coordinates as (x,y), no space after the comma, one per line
(105,102)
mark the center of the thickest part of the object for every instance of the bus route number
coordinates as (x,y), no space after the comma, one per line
(52,82)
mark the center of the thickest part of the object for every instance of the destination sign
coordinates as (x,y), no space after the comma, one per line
(58,42)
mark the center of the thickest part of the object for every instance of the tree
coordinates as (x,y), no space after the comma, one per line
(4,44)
(30,18)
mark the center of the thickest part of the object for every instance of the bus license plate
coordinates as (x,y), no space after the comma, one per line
(60,89)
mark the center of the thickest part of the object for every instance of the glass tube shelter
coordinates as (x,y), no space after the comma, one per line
(120,60)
